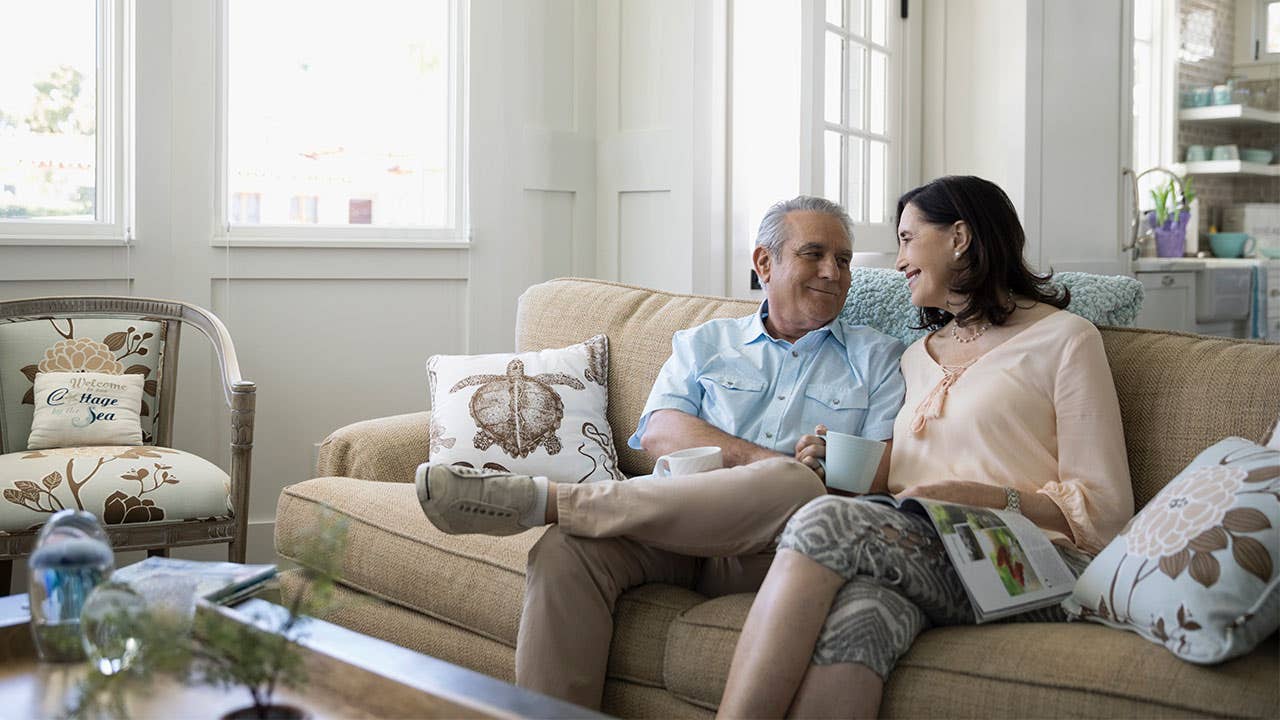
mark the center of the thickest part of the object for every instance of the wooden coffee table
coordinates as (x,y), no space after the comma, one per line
(349,676)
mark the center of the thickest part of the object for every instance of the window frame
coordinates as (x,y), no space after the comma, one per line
(1260,53)
(456,233)
(114,161)
(1163,95)
(902,121)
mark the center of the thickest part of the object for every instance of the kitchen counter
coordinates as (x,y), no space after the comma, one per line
(1153,264)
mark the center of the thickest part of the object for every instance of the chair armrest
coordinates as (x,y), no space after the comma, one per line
(387,449)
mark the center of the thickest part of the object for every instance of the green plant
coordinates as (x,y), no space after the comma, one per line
(219,651)
(1167,203)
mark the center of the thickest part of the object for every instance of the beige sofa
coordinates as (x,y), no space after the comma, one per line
(458,598)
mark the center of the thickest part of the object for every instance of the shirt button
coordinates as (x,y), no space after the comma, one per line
(769,435)
(782,397)
(795,354)
(835,402)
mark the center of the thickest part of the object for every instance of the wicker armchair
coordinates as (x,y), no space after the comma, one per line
(152,496)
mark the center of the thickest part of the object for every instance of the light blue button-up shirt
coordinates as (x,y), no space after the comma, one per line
(737,377)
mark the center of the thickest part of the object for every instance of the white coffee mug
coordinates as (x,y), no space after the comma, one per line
(852,461)
(689,461)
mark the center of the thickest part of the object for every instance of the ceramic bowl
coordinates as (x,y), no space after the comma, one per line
(1254,155)
(1273,253)
(1226,152)
(1197,153)
(1229,245)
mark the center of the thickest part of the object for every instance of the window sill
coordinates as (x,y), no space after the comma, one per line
(434,240)
(62,241)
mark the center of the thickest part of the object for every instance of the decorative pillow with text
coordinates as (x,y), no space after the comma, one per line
(534,413)
(75,409)
(1197,569)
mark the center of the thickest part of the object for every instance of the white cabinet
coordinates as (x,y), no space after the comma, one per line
(1169,302)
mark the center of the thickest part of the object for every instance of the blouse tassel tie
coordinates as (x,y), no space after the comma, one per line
(931,406)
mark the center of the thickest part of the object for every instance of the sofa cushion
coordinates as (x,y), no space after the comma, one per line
(641,627)
(472,581)
(1179,393)
(1196,570)
(533,413)
(879,298)
(1059,669)
(639,323)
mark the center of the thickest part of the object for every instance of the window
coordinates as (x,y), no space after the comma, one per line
(303,208)
(1267,30)
(858,135)
(1154,85)
(64,126)
(344,119)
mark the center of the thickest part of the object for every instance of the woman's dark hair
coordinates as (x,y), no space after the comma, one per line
(992,265)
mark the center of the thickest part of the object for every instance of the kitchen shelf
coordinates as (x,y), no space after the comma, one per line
(1242,115)
(1226,167)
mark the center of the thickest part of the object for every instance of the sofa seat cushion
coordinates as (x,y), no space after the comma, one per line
(393,552)
(470,581)
(120,484)
(1061,669)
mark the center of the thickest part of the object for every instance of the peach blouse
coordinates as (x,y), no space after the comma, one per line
(1037,413)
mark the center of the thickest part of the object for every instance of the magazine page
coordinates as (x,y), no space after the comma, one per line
(215,581)
(1005,561)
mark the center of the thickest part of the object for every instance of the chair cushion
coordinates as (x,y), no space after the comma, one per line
(119,484)
(110,345)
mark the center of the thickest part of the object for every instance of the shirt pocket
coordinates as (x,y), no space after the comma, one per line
(838,397)
(732,381)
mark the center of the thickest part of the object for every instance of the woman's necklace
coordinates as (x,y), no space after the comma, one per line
(955,332)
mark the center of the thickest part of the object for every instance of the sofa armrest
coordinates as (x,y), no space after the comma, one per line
(387,449)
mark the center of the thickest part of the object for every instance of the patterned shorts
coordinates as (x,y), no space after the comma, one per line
(899,580)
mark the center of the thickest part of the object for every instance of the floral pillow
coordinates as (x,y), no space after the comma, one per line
(75,409)
(1196,570)
(534,413)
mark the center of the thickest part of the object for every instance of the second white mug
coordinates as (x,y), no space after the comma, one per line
(689,461)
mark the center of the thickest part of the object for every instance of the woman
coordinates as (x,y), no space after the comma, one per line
(1009,405)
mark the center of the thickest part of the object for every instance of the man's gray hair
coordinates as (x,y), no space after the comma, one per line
(773,233)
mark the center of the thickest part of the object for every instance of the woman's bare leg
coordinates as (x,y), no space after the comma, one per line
(844,690)
(777,641)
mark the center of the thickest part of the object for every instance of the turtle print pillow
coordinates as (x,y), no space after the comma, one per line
(1198,570)
(534,413)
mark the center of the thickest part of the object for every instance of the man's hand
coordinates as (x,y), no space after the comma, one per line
(963,492)
(811,448)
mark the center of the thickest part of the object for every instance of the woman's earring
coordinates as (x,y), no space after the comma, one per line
(957,254)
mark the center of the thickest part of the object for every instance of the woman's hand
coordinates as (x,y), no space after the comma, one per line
(811,448)
(963,492)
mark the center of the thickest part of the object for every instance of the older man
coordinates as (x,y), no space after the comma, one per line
(758,387)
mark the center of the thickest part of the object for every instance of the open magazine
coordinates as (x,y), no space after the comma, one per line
(224,583)
(1006,563)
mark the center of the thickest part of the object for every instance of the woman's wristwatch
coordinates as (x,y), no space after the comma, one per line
(1013,501)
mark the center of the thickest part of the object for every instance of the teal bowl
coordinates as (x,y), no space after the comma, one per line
(1254,155)
(1228,245)
(1273,253)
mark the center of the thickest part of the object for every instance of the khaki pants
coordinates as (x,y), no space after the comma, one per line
(712,532)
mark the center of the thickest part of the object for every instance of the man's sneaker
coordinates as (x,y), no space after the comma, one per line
(461,500)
